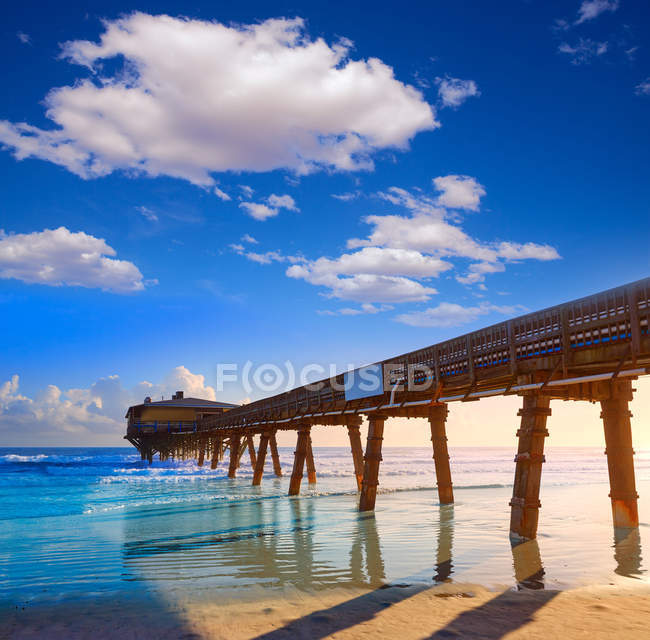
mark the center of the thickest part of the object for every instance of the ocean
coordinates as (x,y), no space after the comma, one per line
(83,523)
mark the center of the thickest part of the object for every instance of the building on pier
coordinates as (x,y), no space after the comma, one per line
(178,409)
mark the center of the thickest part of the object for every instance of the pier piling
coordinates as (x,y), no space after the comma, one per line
(299,460)
(202,445)
(216,452)
(311,467)
(261,457)
(525,504)
(357,453)
(437,422)
(620,454)
(235,443)
(250,444)
(371,463)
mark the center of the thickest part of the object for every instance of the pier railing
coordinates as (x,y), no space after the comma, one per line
(584,335)
(138,427)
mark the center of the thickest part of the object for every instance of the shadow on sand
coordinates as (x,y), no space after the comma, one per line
(494,619)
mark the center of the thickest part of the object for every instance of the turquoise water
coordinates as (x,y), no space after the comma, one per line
(88,522)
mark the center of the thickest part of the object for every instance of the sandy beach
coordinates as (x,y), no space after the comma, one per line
(447,611)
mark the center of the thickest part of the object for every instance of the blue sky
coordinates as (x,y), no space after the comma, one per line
(488,162)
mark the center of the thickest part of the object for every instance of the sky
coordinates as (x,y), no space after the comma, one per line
(320,183)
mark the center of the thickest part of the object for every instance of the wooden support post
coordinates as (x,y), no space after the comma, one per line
(150,455)
(437,419)
(277,467)
(299,461)
(261,457)
(372,460)
(525,504)
(216,453)
(234,455)
(242,449)
(311,467)
(620,455)
(357,454)
(251,450)
(202,445)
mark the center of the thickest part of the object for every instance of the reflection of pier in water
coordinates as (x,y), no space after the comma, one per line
(263,542)
(444,567)
(627,553)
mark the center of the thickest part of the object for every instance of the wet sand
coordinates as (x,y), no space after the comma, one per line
(404,612)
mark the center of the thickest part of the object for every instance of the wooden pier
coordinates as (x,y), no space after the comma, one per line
(588,350)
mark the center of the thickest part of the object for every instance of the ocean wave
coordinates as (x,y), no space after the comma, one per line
(14,457)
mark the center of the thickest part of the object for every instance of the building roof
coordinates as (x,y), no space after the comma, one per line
(195,403)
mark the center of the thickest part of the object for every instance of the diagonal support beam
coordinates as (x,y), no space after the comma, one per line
(277,467)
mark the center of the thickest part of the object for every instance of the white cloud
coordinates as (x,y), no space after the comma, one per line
(454,91)
(366,308)
(561,25)
(631,52)
(590,9)
(527,251)
(643,88)
(24,38)
(365,287)
(459,192)
(194,97)
(246,190)
(222,195)
(258,210)
(282,202)
(448,314)
(264,258)
(362,275)
(248,238)
(584,50)
(424,233)
(181,378)
(478,270)
(274,203)
(380,261)
(394,263)
(94,414)
(147,214)
(58,257)
(346,197)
